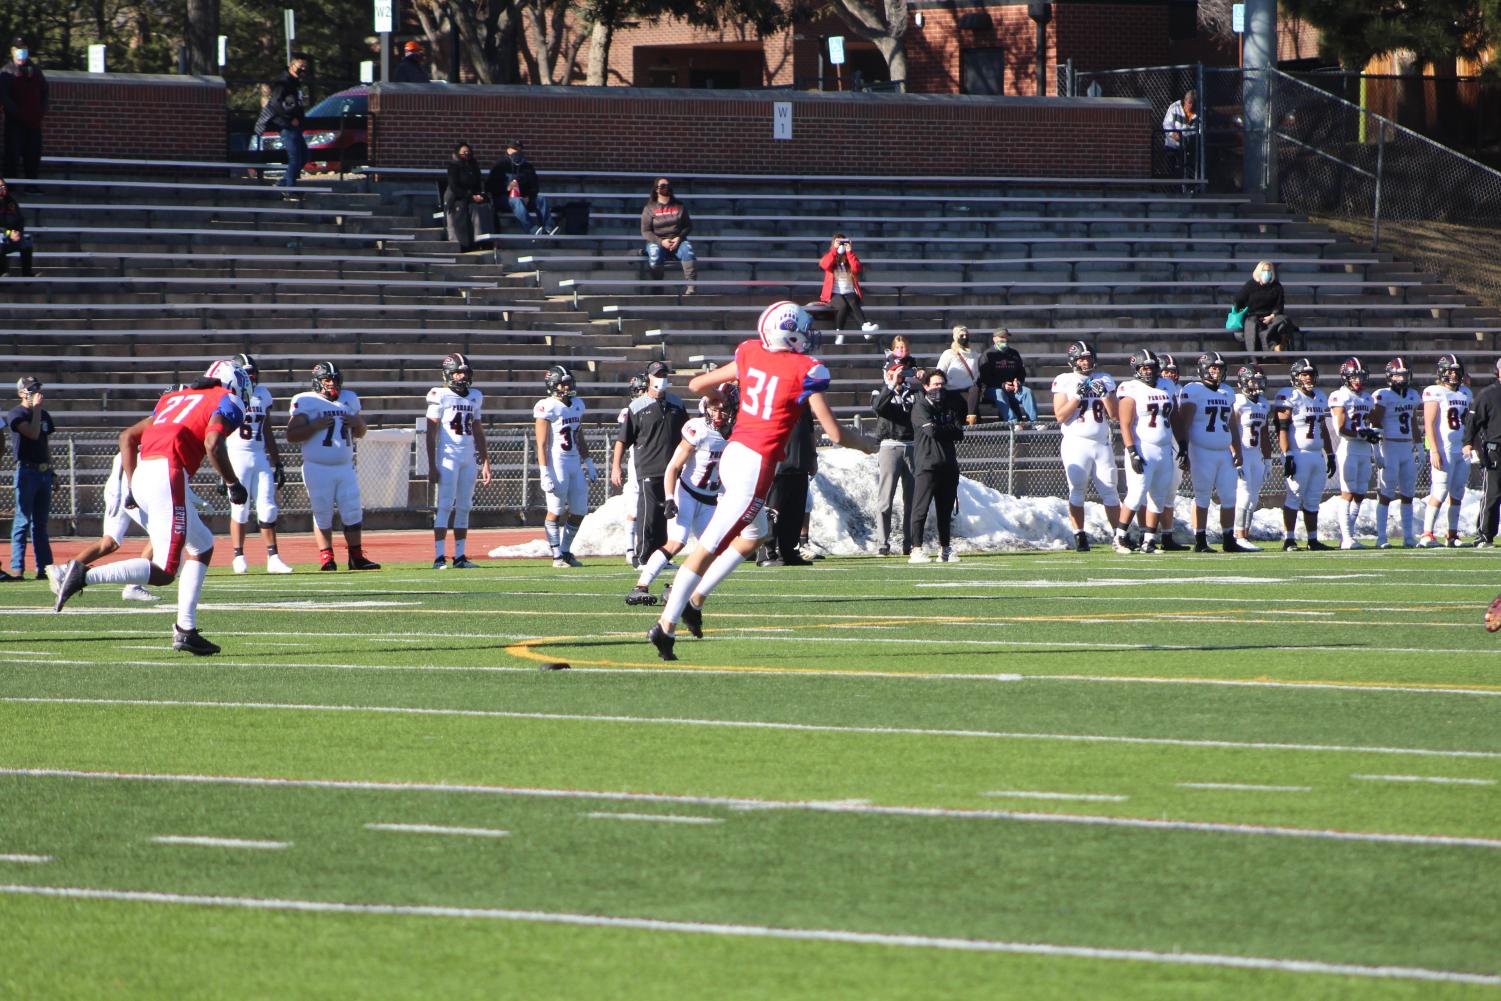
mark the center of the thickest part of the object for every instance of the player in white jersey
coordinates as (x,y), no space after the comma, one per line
(457,456)
(325,422)
(1084,405)
(692,485)
(1445,404)
(1172,380)
(1209,434)
(1253,414)
(257,462)
(1307,452)
(116,522)
(1146,413)
(631,491)
(1401,409)
(1353,416)
(565,467)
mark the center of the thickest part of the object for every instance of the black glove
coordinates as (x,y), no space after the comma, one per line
(670,509)
(237,493)
(1329,463)
(1138,464)
(279,476)
(1371,435)
(1088,390)
(1183,456)
(130,501)
(1289,468)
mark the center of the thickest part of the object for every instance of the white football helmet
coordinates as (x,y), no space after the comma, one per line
(786,326)
(233,378)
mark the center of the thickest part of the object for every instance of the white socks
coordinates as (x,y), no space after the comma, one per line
(721,568)
(566,538)
(630,536)
(1430,518)
(1348,516)
(655,564)
(189,586)
(682,590)
(136,571)
(1383,509)
(1406,520)
(1453,516)
(554,537)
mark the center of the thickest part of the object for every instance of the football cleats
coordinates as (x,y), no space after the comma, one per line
(1081,351)
(1209,361)
(1147,361)
(1300,368)
(1170,365)
(636,386)
(326,372)
(233,378)
(1251,381)
(559,383)
(1398,375)
(786,326)
(457,375)
(248,364)
(1451,371)
(1352,373)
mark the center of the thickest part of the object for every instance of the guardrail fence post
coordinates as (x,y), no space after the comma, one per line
(1011,461)
(1376,200)
(73,481)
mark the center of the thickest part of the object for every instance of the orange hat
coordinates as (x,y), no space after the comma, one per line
(411,47)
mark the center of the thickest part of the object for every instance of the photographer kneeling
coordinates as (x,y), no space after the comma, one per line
(938,416)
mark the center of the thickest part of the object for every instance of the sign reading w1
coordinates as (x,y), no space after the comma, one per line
(385,16)
(781,120)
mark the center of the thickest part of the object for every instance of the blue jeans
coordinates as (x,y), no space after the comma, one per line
(33,508)
(530,218)
(655,255)
(293,141)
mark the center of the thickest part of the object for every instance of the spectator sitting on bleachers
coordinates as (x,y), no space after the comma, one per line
(1180,133)
(514,180)
(465,204)
(960,365)
(13,236)
(899,352)
(1266,322)
(1015,403)
(1001,365)
(841,284)
(665,225)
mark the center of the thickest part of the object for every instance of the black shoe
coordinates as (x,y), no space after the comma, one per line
(1289,546)
(464,563)
(1172,545)
(328,567)
(796,561)
(1201,545)
(663,641)
(773,562)
(640,596)
(41,573)
(884,551)
(1081,542)
(360,563)
(193,642)
(8,577)
(693,618)
(1148,547)
(70,580)
(440,564)
(1319,547)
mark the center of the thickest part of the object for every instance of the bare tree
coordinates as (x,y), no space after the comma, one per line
(487,35)
(885,25)
(550,45)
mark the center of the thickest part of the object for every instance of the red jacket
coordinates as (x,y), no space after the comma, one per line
(827,262)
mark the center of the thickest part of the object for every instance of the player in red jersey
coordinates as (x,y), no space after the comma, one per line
(778,378)
(158,455)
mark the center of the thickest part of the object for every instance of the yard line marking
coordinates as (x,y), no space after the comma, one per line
(668,818)
(1435,779)
(202,842)
(751,803)
(1085,796)
(1243,786)
(26,859)
(473,832)
(765,725)
(844,936)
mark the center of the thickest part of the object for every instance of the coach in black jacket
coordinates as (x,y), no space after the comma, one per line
(653,426)
(937,426)
(1483,436)
(893,405)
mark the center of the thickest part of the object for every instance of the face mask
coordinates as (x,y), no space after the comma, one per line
(899,352)
(1000,344)
(962,340)
(1264,277)
(659,383)
(935,395)
(22,55)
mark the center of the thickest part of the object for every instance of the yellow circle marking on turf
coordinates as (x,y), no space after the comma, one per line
(524,650)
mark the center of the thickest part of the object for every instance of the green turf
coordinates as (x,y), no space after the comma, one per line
(826,710)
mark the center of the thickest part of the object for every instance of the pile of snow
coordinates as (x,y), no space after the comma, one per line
(844,517)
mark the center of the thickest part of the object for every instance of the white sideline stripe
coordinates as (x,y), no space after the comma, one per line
(1243,786)
(748,803)
(767,931)
(26,859)
(1086,738)
(667,818)
(202,842)
(1437,780)
(1086,796)
(473,832)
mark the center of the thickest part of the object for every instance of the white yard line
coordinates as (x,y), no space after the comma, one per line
(750,803)
(1243,787)
(1088,797)
(26,859)
(666,818)
(763,725)
(202,842)
(473,832)
(1435,779)
(842,936)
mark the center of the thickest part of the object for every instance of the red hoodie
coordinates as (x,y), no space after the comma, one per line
(828,263)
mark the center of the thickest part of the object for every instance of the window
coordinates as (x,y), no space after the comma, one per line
(982,71)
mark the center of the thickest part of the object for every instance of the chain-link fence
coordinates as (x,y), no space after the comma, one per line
(1017,461)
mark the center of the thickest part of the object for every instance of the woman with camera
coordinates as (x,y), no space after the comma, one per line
(841,284)
(938,415)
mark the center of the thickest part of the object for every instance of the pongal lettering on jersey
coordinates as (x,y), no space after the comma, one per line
(1091,419)
(1357,409)
(251,437)
(565,420)
(1154,411)
(1306,414)
(1399,412)
(455,417)
(1453,404)
(1211,417)
(335,444)
(701,471)
(1252,417)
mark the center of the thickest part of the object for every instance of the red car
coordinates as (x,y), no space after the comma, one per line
(336,129)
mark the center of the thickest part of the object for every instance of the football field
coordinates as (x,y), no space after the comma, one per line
(1031,776)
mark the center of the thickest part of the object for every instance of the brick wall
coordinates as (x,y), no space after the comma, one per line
(134,115)
(585,128)
(1110,36)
